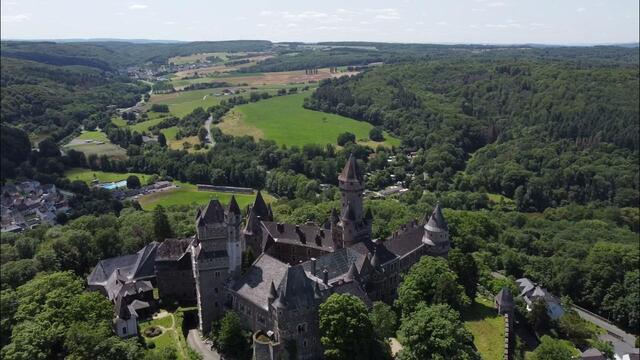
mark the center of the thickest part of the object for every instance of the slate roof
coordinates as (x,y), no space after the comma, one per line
(436,221)
(407,239)
(353,288)
(592,354)
(337,263)
(233,205)
(296,290)
(260,207)
(173,249)
(212,213)
(252,222)
(302,235)
(254,285)
(137,305)
(132,267)
(504,298)
(350,171)
(525,285)
(380,251)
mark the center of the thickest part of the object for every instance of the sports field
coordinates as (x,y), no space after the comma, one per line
(188,194)
(284,120)
(96,142)
(88,175)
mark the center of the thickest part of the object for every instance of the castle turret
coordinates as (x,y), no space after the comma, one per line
(354,225)
(235,243)
(436,234)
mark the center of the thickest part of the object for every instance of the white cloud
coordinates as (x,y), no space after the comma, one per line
(581,9)
(15,18)
(138,7)
(496,4)
(478,10)
(385,14)
(169,22)
(261,25)
(441,23)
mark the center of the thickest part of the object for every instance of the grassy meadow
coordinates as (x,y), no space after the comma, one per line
(88,175)
(284,120)
(106,148)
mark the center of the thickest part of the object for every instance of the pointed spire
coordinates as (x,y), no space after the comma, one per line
(273,293)
(269,213)
(212,213)
(352,274)
(252,222)
(436,221)
(233,206)
(350,171)
(349,213)
(260,206)
(375,260)
(334,216)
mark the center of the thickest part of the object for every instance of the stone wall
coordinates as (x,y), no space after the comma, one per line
(509,337)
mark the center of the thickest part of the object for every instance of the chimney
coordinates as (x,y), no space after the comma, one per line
(280,227)
(325,277)
(313,266)
(318,240)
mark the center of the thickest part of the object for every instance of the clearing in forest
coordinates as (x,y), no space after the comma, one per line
(284,120)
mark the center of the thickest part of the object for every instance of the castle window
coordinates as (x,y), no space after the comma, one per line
(124,330)
(215,304)
(302,328)
(304,343)
(216,274)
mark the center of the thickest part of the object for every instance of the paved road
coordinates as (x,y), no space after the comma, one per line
(195,342)
(207,125)
(612,329)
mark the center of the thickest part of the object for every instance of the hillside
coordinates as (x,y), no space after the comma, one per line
(512,127)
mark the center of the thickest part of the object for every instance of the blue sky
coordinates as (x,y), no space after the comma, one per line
(426,21)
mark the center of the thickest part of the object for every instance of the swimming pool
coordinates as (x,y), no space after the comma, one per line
(114,185)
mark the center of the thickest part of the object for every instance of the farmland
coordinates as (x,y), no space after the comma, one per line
(88,175)
(284,120)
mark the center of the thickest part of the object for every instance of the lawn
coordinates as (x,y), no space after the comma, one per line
(88,175)
(284,120)
(487,327)
(93,135)
(171,325)
(188,194)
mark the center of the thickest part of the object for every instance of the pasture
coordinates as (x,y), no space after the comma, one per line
(284,120)
(188,194)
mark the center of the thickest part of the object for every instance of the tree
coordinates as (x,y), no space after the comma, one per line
(346,137)
(553,349)
(48,148)
(202,135)
(346,331)
(231,339)
(162,140)
(466,268)
(538,317)
(384,320)
(430,280)
(575,329)
(435,332)
(161,226)
(133,182)
(376,134)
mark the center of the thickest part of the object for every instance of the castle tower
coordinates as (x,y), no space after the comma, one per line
(436,234)
(353,224)
(216,257)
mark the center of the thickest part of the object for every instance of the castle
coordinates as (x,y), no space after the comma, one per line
(297,266)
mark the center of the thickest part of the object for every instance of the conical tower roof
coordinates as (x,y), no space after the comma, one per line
(436,221)
(260,206)
(273,293)
(233,206)
(252,222)
(296,290)
(212,213)
(350,170)
(352,274)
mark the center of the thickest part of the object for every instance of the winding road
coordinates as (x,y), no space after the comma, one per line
(207,125)
(195,342)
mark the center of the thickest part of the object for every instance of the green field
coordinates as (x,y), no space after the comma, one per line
(172,336)
(188,194)
(88,175)
(487,327)
(194,58)
(86,143)
(284,120)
